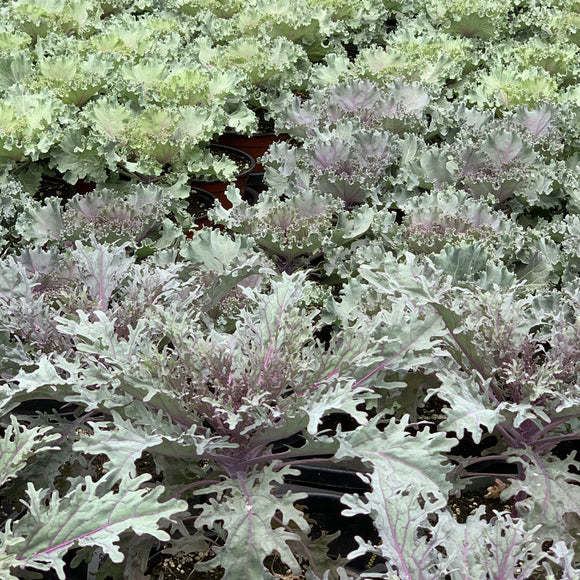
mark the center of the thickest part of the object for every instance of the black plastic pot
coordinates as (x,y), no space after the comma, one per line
(34,406)
(478,469)
(256,181)
(251,195)
(325,486)
(255,145)
(218,188)
(200,202)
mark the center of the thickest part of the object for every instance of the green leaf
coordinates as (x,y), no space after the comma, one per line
(217,251)
(43,222)
(14,69)
(539,262)
(342,397)
(9,546)
(461,341)
(470,409)
(494,549)
(472,263)
(505,147)
(257,523)
(108,117)
(462,263)
(44,379)
(102,269)
(353,224)
(121,441)
(226,261)
(91,514)
(410,537)
(409,336)
(76,157)
(404,458)
(18,444)
(552,495)
(437,168)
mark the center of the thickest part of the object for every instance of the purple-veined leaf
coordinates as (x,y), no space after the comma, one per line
(102,268)
(536,121)
(505,147)
(402,513)
(470,409)
(551,495)
(404,458)
(257,523)
(91,514)
(502,549)
(18,444)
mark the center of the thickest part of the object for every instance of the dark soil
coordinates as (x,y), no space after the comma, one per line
(55,187)
(199,202)
(181,567)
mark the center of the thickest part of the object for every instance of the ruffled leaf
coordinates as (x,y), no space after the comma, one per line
(91,514)
(257,523)
(18,444)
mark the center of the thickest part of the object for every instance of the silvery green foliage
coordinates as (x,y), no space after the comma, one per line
(13,202)
(418,246)
(140,215)
(91,514)
(362,142)
(397,107)
(351,138)
(20,443)
(295,231)
(208,405)
(522,156)
(419,53)
(530,403)
(348,164)
(526,157)
(481,19)
(222,399)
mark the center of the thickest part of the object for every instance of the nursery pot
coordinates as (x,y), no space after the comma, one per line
(485,467)
(255,145)
(251,194)
(325,486)
(44,405)
(246,163)
(256,181)
(200,202)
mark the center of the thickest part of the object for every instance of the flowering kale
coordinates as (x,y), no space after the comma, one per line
(400,304)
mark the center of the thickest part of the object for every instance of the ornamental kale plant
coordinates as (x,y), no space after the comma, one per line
(351,166)
(295,231)
(208,406)
(140,363)
(351,139)
(417,52)
(520,160)
(399,306)
(399,107)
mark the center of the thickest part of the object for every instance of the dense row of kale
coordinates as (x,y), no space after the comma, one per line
(400,304)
